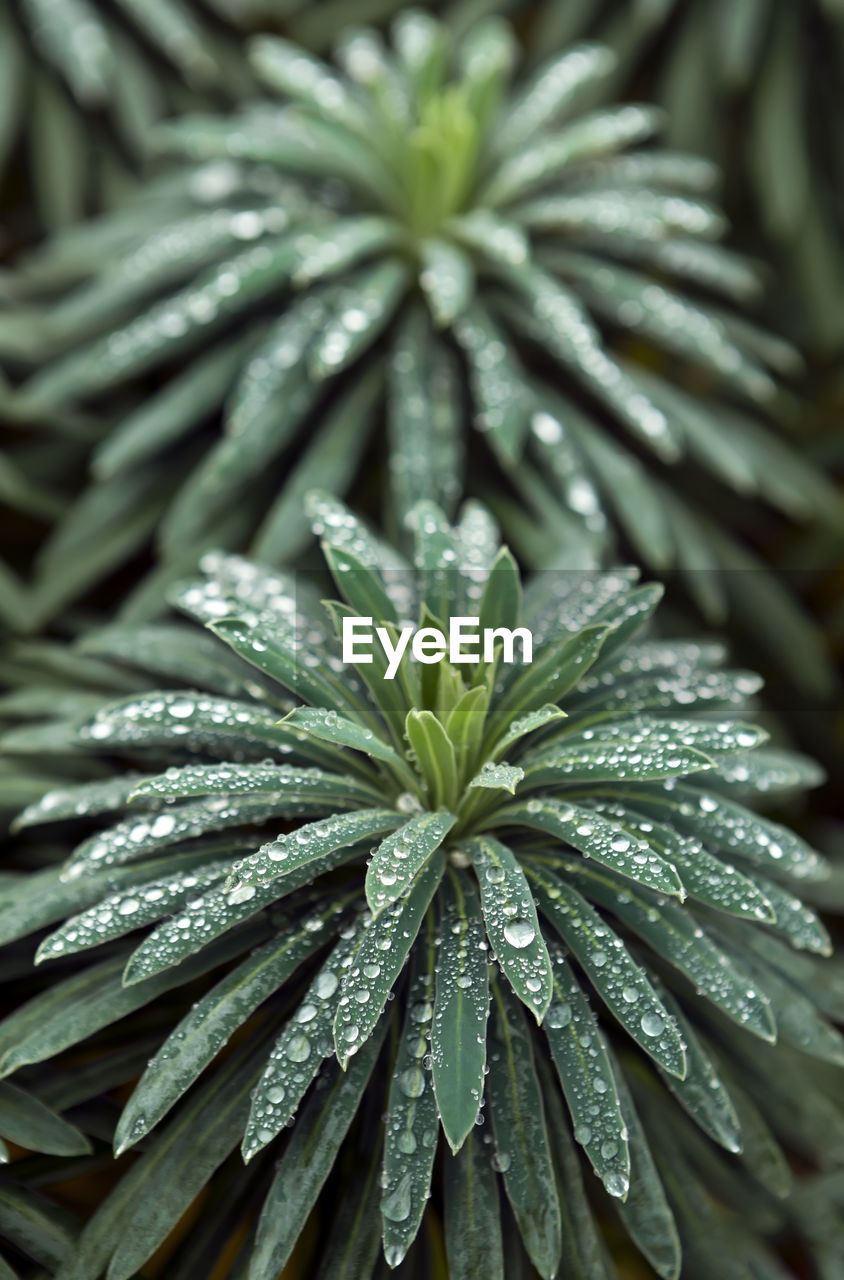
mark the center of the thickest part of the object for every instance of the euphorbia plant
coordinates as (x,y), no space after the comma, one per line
(539,281)
(523,906)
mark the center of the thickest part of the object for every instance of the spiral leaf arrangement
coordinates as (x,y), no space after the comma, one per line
(536,896)
(534,271)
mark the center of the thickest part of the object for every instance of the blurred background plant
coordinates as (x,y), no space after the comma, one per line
(663,416)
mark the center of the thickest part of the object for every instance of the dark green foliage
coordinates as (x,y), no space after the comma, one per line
(595,912)
(540,283)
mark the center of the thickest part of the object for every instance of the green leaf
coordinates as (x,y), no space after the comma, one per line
(550,94)
(646,1212)
(497,382)
(622,984)
(202,723)
(705,877)
(84,800)
(155,832)
(465,727)
(68,1012)
(308,843)
(447,278)
(296,1056)
(148,339)
(511,923)
(359,583)
(364,308)
(458,1035)
(501,605)
(26,1121)
(171,413)
(526,725)
(379,958)
(498,777)
(38,1226)
(595,837)
(521,1136)
(217,911)
(331,727)
(308,1159)
(472,1214)
(410,1135)
(306,671)
(424,404)
(722,824)
(435,757)
(210,1024)
(177,1166)
(353,1249)
(554,671)
(675,934)
(583,1256)
(120,913)
(582,1059)
(397,861)
(232,779)
(702,1093)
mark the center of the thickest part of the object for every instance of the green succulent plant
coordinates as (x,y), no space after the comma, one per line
(530,894)
(541,285)
(82,83)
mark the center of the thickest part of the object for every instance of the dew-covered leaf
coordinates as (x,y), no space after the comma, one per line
(498,777)
(378,960)
(423,408)
(622,984)
(307,844)
(210,1024)
(511,923)
(435,756)
(83,800)
(232,779)
(397,861)
(723,824)
(122,912)
(702,1093)
(69,1011)
(366,305)
(308,1158)
(595,837)
(411,1125)
(675,934)
(304,1043)
(461,1006)
(646,1212)
(198,722)
(174,1169)
(582,1256)
(526,725)
(581,1057)
(152,833)
(331,727)
(521,1137)
(218,910)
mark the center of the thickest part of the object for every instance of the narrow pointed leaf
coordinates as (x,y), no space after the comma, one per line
(398,860)
(308,1159)
(521,1136)
(461,1006)
(378,961)
(511,923)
